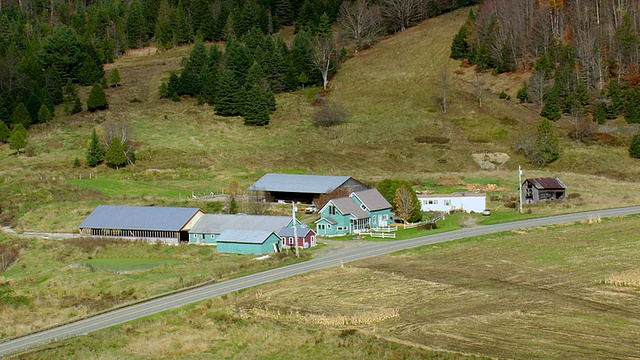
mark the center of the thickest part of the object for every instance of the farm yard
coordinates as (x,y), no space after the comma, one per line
(566,291)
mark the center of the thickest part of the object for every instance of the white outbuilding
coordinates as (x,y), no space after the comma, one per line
(468,202)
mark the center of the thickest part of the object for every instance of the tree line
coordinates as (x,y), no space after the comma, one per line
(584,56)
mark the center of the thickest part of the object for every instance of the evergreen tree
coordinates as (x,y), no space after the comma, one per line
(182,33)
(163,28)
(21,116)
(283,12)
(523,93)
(230,95)
(63,50)
(77,105)
(190,83)
(76,162)
(460,47)
(90,72)
(600,113)
(114,79)
(97,99)
(547,145)
(238,60)
(137,27)
(115,155)
(616,104)
(4,132)
(18,138)
(173,85)
(95,155)
(256,109)
(632,108)
(44,116)
(634,148)
(551,109)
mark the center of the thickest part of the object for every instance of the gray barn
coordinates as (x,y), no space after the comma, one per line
(303,188)
(540,189)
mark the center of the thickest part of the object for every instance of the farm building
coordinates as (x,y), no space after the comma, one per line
(207,230)
(302,188)
(358,212)
(248,242)
(469,202)
(539,189)
(305,235)
(167,224)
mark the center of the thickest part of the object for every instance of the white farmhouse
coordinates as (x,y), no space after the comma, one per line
(469,202)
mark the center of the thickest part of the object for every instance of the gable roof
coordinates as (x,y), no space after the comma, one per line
(372,199)
(348,206)
(217,223)
(288,231)
(312,184)
(245,236)
(139,218)
(547,183)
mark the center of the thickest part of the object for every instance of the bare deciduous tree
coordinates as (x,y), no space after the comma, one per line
(478,87)
(324,49)
(537,87)
(360,22)
(121,130)
(402,13)
(444,85)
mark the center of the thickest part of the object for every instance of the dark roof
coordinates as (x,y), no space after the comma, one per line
(295,183)
(217,223)
(547,183)
(139,218)
(245,236)
(288,231)
(347,205)
(372,199)
(327,219)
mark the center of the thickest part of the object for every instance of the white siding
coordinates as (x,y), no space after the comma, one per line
(468,203)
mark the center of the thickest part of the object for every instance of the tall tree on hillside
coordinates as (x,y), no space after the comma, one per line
(63,50)
(401,14)
(163,29)
(95,154)
(18,138)
(97,99)
(547,146)
(190,82)
(632,107)
(137,26)
(114,79)
(256,108)
(360,22)
(4,132)
(21,116)
(115,155)
(323,57)
(634,148)
(230,95)
(44,116)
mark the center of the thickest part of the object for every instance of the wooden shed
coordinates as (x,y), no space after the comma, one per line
(541,189)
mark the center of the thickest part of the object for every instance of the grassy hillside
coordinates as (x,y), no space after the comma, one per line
(390,90)
(567,291)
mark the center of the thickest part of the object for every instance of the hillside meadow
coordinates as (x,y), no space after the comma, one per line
(392,94)
(565,291)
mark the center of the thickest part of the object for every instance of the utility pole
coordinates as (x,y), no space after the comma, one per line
(520,186)
(295,228)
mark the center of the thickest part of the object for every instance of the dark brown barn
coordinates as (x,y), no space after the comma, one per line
(540,189)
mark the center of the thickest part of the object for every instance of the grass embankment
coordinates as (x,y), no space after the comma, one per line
(391,92)
(566,291)
(56,281)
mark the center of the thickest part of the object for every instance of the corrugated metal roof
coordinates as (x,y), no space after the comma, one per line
(547,183)
(373,199)
(295,183)
(244,236)
(347,205)
(138,218)
(217,223)
(288,231)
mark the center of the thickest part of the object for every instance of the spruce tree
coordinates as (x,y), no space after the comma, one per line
(190,82)
(523,93)
(256,110)
(4,132)
(551,109)
(95,155)
(173,85)
(44,116)
(97,99)
(460,47)
(230,95)
(18,138)
(77,105)
(634,148)
(547,145)
(632,107)
(114,79)
(616,105)
(115,155)
(163,30)
(21,116)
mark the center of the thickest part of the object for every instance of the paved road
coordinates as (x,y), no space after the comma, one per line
(329,260)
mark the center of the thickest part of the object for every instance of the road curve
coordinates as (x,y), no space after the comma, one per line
(157,305)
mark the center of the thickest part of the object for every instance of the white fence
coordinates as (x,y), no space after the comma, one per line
(382,235)
(385,229)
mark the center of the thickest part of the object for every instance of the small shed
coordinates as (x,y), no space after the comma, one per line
(248,242)
(305,235)
(152,223)
(541,189)
(468,202)
(302,188)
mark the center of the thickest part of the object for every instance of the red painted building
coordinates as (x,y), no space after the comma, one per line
(306,237)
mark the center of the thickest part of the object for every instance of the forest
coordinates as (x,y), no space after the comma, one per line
(582,57)
(48,48)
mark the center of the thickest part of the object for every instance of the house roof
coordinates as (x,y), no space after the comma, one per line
(245,236)
(547,183)
(217,223)
(372,199)
(139,218)
(348,206)
(296,183)
(327,219)
(465,194)
(288,231)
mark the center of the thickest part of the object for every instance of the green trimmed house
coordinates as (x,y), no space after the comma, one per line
(359,212)
(249,242)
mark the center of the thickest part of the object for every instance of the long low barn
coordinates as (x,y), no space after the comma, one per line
(167,224)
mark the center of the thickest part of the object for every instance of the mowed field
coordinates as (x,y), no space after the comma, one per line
(570,291)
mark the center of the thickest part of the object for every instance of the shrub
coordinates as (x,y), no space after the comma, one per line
(634,148)
(97,99)
(432,139)
(330,114)
(504,95)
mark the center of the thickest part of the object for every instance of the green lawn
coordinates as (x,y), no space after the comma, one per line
(129,264)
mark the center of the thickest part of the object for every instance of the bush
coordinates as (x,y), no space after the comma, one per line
(504,95)
(97,99)
(432,139)
(330,114)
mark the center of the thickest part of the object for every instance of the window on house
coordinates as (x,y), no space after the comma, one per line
(320,227)
(447,203)
(332,210)
(431,202)
(363,207)
(290,241)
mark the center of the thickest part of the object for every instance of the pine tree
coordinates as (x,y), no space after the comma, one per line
(190,83)
(230,95)
(523,93)
(44,116)
(547,145)
(551,109)
(21,116)
(97,99)
(18,138)
(115,155)
(632,107)
(634,148)
(4,132)
(256,109)
(460,47)
(173,85)
(77,105)
(114,79)
(163,29)
(233,205)
(616,105)
(95,155)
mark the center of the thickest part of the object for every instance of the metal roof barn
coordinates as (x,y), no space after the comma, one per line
(144,222)
(303,188)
